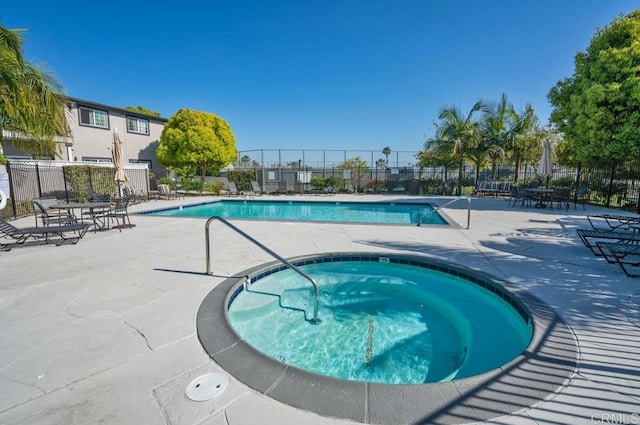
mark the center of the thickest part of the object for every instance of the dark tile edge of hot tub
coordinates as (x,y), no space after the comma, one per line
(538,372)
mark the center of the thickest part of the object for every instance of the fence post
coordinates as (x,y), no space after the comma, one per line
(12,193)
(66,187)
(38,180)
(610,190)
(575,192)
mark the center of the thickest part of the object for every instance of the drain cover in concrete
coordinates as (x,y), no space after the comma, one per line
(207,386)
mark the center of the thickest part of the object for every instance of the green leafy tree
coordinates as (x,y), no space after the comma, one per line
(195,138)
(460,134)
(358,167)
(596,109)
(32,103)
(526,147)
(142,110)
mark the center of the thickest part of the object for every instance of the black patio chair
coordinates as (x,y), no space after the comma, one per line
(581,196)
(120,211)
(48,216)
(561,196)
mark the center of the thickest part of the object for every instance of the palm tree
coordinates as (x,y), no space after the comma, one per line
(437,153)
(462,132)
(32,103)
(386,151)
(523,137)
(496,123)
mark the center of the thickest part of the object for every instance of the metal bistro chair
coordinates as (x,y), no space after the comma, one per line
(99,215)
(119,210)
(581,196)
(561,196)
(49,217)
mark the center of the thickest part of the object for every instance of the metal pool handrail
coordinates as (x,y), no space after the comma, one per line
(268,251)
(449,203)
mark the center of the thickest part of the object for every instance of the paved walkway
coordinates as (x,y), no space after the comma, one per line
(103,332)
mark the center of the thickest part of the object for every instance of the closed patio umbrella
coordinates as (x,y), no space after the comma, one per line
(544,167)
(117,155)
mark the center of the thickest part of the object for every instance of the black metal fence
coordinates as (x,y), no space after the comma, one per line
(615,185)
(609,184)
(66,181)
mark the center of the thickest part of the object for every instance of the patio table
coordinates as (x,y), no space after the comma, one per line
(92,209)
(541,195)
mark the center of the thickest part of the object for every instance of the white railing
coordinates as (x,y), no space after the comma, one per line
(449,203)
(268,251)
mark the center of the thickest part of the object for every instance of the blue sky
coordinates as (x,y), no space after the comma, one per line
(357,75)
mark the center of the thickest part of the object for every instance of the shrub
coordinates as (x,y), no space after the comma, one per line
(318,182)
(242,178)
(167,180)
(192,184)
(214,187)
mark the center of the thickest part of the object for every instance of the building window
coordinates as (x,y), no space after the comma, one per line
(103,160)
(142,161)
(93,117)
(137,125)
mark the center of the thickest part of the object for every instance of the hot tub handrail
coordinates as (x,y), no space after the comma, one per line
(449,203)
(268,251)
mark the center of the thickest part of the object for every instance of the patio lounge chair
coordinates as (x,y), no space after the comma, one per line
(255,187)
(253,192)
(613,221)
(486,188)
(27,236)
(165,192)
(135,196)
(591,237)
(282,188)
(624,254)
(232,189)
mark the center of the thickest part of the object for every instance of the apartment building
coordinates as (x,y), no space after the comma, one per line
(92,125)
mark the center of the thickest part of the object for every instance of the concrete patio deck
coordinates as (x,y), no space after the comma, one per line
(103,332)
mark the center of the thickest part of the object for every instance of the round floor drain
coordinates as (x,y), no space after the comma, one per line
(207,386)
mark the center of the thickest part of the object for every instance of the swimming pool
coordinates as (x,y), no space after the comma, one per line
(543,367)
(342,212)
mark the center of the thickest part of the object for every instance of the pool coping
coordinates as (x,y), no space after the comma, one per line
(541,370)
(449,222)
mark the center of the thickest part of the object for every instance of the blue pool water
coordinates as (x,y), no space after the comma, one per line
(349,212)
(380,322)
